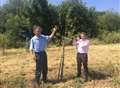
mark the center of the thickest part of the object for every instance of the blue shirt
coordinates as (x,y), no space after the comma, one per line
(38,44)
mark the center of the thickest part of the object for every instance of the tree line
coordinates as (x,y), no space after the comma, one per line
(18,17)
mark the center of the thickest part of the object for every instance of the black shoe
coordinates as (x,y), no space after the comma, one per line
(45,81)
(36,84)
(85,80)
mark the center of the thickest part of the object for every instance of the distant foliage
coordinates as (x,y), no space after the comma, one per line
(110,37)
(109,27)
(109,22)
(18,17)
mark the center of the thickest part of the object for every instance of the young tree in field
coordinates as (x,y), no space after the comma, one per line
(76,17)
(3,42)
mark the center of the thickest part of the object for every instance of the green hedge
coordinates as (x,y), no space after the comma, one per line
(110,37)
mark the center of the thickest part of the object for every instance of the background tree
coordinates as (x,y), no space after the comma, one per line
(109,22)
(76,18)
(39,14)
(14,32)
(14,22)
(17,18)
(3,42)
(108,27)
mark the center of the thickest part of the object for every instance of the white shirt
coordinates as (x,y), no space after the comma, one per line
(82,45)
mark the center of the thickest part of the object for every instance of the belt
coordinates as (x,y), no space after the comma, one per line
(40,52)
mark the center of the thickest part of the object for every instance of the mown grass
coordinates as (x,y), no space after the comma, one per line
(17,69)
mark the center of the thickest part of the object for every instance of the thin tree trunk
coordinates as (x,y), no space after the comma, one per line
(3,50)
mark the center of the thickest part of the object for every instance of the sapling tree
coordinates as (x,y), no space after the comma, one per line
(3,43)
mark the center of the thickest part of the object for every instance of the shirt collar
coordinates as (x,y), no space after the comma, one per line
(36,37)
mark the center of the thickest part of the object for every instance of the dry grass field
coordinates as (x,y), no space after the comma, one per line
(17,69)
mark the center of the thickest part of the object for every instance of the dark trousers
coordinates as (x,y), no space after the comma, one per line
(82,59)
(41,66)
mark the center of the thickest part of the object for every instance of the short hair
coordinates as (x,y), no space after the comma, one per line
(36,27)
(82,33)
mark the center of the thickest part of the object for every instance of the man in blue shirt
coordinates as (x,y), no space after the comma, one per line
(37,49)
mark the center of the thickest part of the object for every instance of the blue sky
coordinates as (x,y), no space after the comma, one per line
(100,5)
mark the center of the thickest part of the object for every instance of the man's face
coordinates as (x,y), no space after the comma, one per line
(38,31)
(77,38)
(82,36)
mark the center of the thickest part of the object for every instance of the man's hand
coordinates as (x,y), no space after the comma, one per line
(32,56)
(55,28)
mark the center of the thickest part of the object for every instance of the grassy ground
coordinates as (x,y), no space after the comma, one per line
(17,69)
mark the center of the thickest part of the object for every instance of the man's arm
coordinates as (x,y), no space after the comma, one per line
(32,54)
(74,42)
(53,32)
(85,44)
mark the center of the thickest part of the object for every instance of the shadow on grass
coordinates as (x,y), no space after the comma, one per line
(55,81)
(93,75)
(98,75)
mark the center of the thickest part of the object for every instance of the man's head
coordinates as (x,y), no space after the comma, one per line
(37,30)
(83,35)
(77,38)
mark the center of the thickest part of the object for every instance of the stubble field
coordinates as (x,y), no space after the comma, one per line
(17,69)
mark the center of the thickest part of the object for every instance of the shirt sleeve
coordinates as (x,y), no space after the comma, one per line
(75,43)
(85,44)
(48,38)
(31,44)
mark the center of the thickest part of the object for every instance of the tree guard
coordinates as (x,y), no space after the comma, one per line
(61,65)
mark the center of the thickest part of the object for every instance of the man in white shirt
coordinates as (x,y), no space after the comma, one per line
(82,46)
